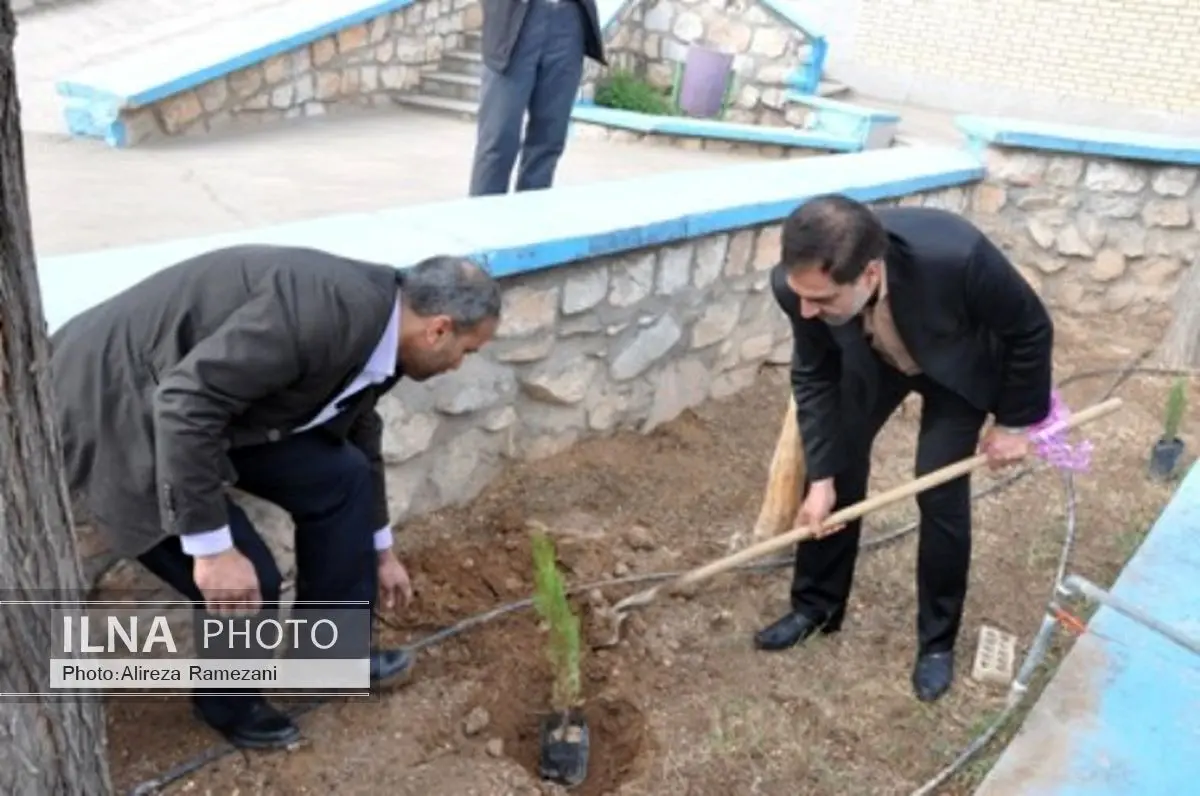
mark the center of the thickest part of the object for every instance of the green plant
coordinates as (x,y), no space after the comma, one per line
(550,601)
(1175,405)
(623,90)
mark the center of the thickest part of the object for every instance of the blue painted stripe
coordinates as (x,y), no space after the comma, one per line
(1078,139)
(536,230)
(786,9)
(710,129)
(194,59)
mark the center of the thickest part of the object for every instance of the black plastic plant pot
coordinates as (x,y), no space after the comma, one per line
(1164,457)
(565,742)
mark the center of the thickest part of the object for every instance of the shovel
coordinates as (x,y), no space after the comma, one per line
(620,611)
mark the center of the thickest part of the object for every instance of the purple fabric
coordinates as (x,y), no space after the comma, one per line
(1051,440)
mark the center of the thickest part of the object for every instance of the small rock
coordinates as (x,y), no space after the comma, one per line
(468,563)
(512,583)
(721,618)
(512,543)
(621,569)
(639,538)
(495,747)
(477,720)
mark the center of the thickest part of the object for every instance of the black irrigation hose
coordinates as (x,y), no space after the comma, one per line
(214,753)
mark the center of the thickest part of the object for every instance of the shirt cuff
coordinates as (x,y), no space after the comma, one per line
(383,539)
(207,543)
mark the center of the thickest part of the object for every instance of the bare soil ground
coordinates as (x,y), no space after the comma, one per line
(685,705)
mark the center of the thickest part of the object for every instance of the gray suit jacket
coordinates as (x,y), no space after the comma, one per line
(232,348)
(502,23)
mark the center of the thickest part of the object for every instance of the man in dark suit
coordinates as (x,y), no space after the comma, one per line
(533,53)
(883,303)
(260,367)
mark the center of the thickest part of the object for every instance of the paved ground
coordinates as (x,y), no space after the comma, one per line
(87,196)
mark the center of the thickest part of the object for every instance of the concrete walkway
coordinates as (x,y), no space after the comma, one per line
(87,196)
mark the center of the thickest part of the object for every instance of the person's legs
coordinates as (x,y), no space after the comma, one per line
(824,568)
(246,719)
(325,484)
(949,433)
(503,100)
(559,71)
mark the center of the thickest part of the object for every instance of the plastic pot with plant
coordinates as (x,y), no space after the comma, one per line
(1164,456)
(564,732)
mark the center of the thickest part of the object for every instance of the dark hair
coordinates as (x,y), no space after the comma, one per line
(835,233)
(453,286)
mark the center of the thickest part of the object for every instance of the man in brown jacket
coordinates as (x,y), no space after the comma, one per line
(258,366)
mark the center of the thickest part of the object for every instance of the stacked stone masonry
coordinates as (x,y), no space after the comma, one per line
(651,39)
(1092,234)
(363,65)
(585,349)
(598,132)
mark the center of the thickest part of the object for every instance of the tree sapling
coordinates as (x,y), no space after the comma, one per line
(1164,457)
(564,733)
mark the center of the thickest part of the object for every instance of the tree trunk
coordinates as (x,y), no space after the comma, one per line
(1181,348)
(48,745)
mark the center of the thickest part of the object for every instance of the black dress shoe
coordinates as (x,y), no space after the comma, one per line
(263,727)
(792,629)
(390,667)
(932,675)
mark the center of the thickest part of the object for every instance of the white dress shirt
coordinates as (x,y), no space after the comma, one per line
(379,368)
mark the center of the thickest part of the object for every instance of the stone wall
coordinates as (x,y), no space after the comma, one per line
(364,65)
(1093,234)
(652,36)
(585,349)
(599,132)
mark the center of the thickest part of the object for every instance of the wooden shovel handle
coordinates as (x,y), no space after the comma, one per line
(936,478)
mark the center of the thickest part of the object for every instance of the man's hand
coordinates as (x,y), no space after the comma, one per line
(817,506)
(393,580)
(228,582)
(1004,447)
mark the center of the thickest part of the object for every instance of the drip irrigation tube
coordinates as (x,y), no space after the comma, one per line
(1017,691)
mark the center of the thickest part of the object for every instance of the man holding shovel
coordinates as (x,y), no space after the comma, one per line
(883,303)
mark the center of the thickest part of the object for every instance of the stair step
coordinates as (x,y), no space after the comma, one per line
(832,88)
(473,41)
(462,62)
(455,107)
(451,85)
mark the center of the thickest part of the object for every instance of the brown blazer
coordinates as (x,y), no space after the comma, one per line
(232,348)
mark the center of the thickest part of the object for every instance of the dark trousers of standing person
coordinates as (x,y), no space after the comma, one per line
(542,79)
(325,485)
(949,432)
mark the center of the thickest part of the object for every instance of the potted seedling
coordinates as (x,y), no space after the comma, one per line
(1164,457)
(564,732)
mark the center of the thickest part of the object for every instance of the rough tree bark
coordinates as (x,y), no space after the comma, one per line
(50,745)
(1181,347)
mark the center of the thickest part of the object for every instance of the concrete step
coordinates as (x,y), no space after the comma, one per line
(473,41)
(462,62)
(832,88)
(444,105)
(451,85)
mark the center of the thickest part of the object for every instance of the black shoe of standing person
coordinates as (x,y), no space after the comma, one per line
(794,628)
(932,675)
(261,727)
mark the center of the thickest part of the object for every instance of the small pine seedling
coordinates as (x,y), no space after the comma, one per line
(550,601)
(1175,405)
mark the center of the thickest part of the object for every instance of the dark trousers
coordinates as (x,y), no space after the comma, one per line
(542,79)
(824,568)
(325,485)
